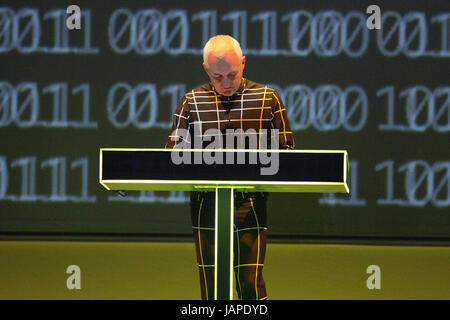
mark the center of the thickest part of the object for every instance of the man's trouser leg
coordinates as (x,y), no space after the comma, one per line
(250,233)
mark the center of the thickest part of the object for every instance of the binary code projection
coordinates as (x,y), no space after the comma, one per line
(383,94)
(150,31)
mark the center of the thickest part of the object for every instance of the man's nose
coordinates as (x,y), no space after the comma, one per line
(227,83)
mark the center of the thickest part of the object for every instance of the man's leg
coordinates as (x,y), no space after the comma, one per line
(250,248)
(202,216)
(204,246)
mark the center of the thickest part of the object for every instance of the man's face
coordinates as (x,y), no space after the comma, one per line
(225,72)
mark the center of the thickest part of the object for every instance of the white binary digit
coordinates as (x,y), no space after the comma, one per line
(20,106)
(444,20)
(417,172)
(3,177)
(298,98)
(60,100)
(84,196)
(6,103)
(239,27)
(350,38)
(385,35)
(28,186)
(59,171)
(116,36)
(326,106)
(328,31)
(181,28)
(269,32)
(441,109)
(87,48)
(390,196)
(301,27)
(21,31)
(126,101)
(360,103)
(6,29)
(61,33)
(420,31)
(209,26)
(415,104)
(85,90)
(148,105)
(150,35)
(390,125)
(442,185)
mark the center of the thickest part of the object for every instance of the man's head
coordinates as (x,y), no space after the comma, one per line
(224,63)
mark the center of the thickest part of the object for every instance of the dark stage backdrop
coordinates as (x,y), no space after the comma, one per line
(382,94)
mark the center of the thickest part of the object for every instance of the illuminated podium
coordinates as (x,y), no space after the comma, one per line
(224,171)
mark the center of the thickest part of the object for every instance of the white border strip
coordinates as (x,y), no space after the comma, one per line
(223,182)
(225,150)
(216,238)
(231,241)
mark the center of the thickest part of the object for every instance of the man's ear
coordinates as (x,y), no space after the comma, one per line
(204,67)
(243,62)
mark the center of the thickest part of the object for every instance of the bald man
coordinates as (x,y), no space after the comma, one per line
(228,103)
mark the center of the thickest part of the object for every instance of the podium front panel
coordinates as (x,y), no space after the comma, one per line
(205,170)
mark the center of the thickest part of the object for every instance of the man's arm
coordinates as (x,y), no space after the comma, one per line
(180,124)
(280,121)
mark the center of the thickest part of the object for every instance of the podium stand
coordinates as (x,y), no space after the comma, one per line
(232,170)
